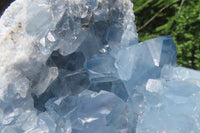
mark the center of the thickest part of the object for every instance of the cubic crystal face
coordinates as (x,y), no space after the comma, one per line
(76,66)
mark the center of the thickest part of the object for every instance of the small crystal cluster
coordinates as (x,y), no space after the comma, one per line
(75,66)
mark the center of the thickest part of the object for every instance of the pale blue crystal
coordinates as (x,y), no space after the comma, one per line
(101,66)
(87,73)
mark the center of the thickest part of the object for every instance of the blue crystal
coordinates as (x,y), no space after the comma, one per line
(87,73)
(101,66)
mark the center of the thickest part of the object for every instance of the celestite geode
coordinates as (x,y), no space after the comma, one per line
(75,66)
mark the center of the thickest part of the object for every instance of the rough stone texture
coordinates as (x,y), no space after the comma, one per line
(75,66)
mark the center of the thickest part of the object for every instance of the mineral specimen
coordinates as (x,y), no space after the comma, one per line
(76,66)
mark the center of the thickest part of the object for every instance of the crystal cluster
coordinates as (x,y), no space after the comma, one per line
(76,66)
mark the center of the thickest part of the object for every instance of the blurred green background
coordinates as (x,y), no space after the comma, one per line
(178,18)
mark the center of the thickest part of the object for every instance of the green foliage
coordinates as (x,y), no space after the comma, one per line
(178,18)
